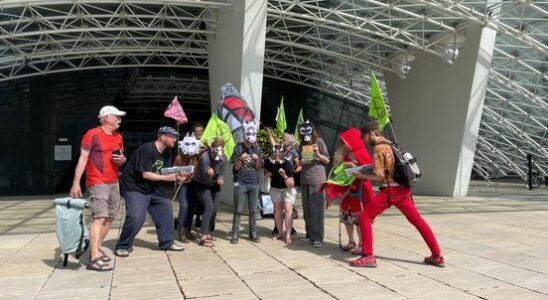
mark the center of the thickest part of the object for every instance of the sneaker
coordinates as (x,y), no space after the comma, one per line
(367,261)
(121,252)
(317,244)
(175,247)
(437,261)
(234,240)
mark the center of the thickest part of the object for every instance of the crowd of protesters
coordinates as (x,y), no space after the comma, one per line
(198,191)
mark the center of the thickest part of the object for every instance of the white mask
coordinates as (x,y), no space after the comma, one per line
(250,131)
(189,145)
(217,153)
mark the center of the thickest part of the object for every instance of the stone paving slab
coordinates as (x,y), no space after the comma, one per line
(496,247)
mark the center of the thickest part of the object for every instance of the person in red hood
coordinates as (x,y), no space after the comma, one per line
(352,153)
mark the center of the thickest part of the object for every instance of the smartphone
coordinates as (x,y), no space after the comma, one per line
(116,152)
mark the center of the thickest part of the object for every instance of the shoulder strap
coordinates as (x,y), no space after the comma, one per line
(384,143)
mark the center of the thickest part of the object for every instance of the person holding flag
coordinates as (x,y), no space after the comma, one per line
(390,192)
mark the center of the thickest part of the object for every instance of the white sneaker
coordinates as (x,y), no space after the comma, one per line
(121,252)
(175,247)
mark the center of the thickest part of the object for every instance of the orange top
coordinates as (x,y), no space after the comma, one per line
(384,161)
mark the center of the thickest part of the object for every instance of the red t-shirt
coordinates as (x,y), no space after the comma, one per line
(100,168)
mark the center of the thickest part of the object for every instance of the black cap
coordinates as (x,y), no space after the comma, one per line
(167,130)
(370,125)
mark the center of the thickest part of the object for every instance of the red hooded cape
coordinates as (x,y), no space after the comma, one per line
(352,139)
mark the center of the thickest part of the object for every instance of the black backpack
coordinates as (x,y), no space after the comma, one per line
(407,171)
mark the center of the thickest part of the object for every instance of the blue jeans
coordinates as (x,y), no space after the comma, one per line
(245,194)
(186,207)
(160,209)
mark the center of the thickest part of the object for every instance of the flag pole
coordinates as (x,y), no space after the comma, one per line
(393,132)
(177,145)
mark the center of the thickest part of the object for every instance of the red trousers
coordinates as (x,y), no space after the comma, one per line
(400,197)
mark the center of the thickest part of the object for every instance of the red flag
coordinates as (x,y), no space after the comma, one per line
(175,111)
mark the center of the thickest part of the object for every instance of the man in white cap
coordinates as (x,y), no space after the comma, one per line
(101,153)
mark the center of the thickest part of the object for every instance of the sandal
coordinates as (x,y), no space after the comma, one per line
(98,265)
(367,261)
(210,238)
(349,246)
(206,243)
(278,237)
(104,257)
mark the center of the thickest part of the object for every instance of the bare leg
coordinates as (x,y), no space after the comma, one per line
(96,236)
(288,221)
(105,229)
(350,232)
(278,219)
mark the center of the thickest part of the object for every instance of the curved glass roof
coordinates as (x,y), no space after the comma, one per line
(330,45)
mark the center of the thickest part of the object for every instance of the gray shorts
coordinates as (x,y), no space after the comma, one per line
(283,195)
(105,200)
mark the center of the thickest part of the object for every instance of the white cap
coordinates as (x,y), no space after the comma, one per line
(110,110)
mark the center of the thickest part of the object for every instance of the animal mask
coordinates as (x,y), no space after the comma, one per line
(305,131)
(250,131)
(277,154)
(189,145)
(217,153)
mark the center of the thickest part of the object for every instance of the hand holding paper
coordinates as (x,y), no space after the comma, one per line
(363,170)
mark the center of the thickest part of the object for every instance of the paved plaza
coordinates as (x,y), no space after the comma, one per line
(495,243)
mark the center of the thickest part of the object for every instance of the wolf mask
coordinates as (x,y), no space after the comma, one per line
(250,131)
(189,145)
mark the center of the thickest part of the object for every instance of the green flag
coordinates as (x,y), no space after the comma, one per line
(340,178)
(281,123)
(377,110)
(300,120)
(216,128)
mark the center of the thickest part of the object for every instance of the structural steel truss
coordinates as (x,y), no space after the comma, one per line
(329,45)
